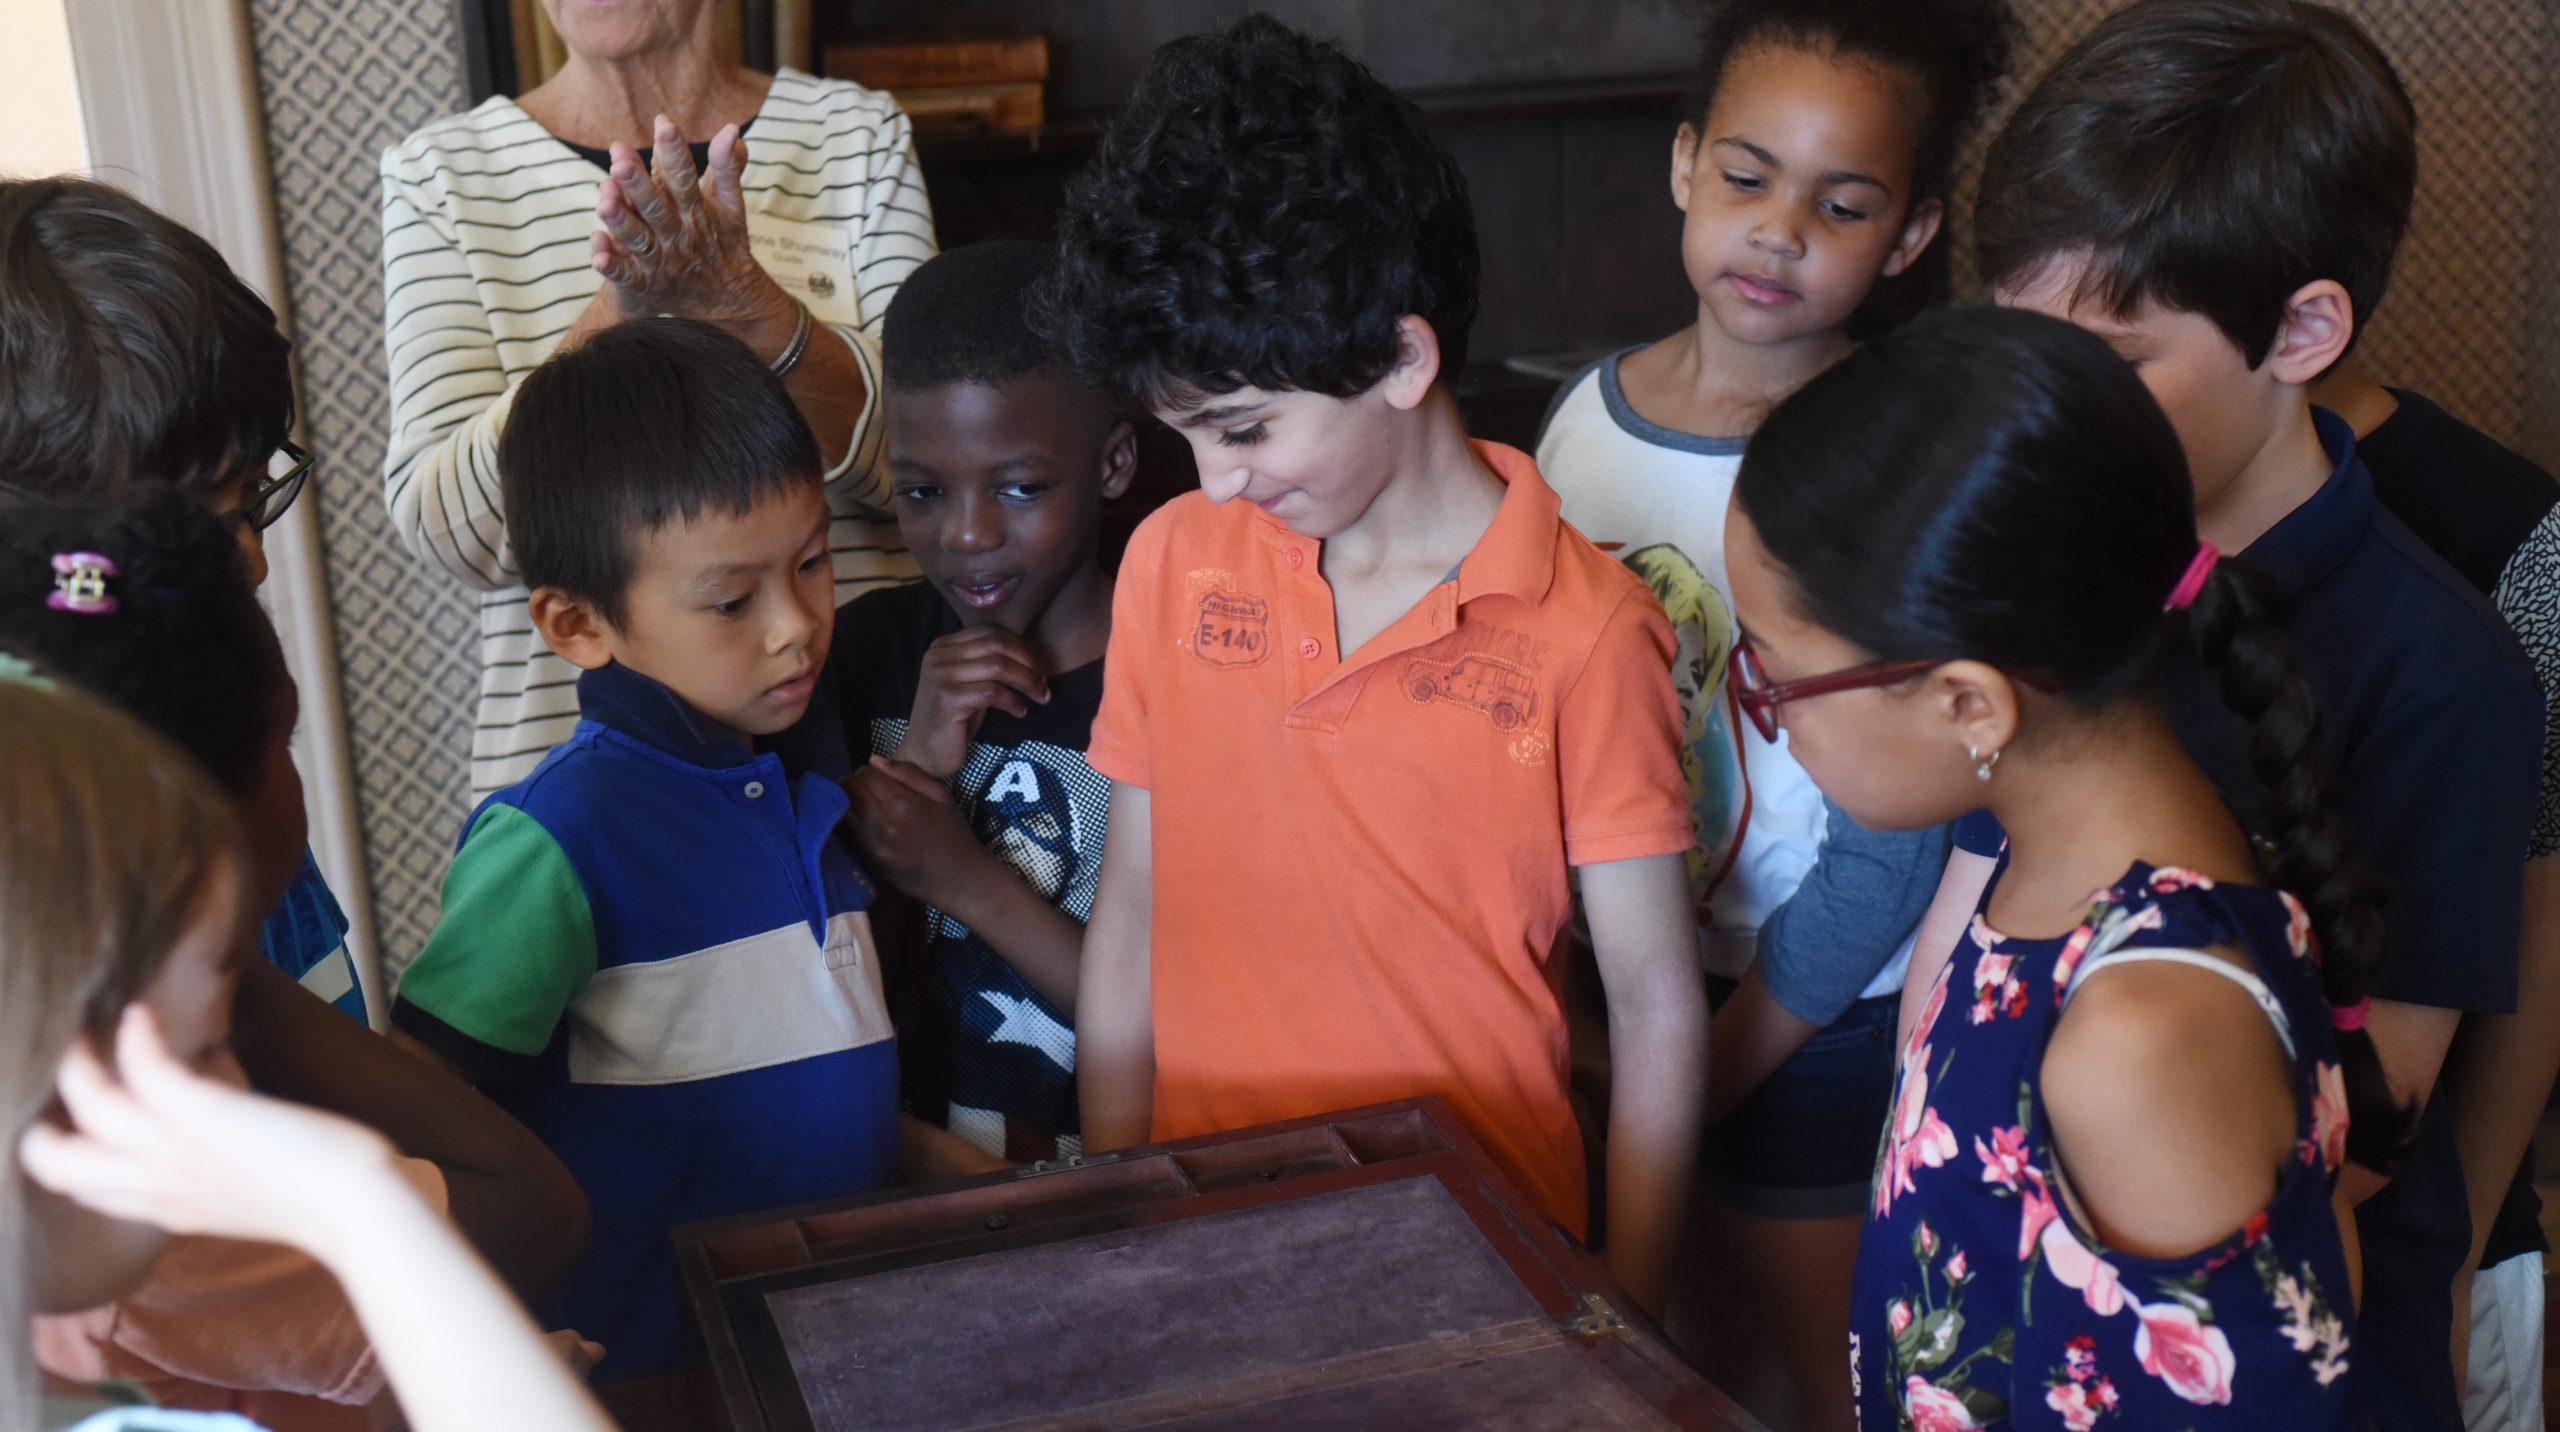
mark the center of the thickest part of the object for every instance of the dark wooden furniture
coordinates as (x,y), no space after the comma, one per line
(1364,1269)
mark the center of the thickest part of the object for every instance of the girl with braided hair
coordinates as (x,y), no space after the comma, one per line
(2104,1191)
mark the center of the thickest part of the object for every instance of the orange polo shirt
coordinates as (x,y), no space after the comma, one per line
(1360,865)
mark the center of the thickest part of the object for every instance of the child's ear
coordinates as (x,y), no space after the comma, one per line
(1978,703)
(1917,231)
(1417,363)
(571,626)
(1119,459)
(2319,323)
(1684,157)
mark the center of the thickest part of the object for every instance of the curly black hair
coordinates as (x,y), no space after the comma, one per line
(1262,213)
(963,316)
(187,650)
(1959,51)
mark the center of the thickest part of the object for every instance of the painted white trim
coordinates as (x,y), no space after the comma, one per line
(752,1003)
(169,89)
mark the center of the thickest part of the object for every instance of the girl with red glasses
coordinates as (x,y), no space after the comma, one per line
(2105,1184)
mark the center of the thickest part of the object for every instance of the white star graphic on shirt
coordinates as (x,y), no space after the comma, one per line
(1026,1023)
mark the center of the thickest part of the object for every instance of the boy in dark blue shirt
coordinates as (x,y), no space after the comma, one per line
(970,696)
(2217,187)
(653,950)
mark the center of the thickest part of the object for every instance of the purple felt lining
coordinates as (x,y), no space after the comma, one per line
(1192,1303)
(1556,1388)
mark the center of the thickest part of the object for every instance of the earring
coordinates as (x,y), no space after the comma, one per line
(1982,767)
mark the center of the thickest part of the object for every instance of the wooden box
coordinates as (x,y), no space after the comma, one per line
(1363,1269)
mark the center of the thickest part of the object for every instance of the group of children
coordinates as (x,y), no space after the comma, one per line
(1818,676)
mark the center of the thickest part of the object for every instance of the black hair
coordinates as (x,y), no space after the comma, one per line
(187,650)
(963,316)
(1959,51)
(129,351)
(646,423)
(1999,486)
(1261,213)
(2213,155)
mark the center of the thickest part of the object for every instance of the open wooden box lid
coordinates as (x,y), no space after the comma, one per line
(1363,1269)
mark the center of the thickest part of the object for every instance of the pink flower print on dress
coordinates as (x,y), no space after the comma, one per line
(2004,1159)
(2035,1212)
(2078,1268)
(1897,1318)
(2297,929)
(2329,1115)
(1993,986)
(1958,1272)
(1918,1138)
(1915,1043)
(2078,1404)
(1932,1408)
(2172,880)
(2194,1359)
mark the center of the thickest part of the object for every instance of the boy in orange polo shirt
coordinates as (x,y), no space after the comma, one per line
(1359,723)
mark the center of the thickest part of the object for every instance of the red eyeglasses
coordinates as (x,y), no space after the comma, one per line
(1760,700)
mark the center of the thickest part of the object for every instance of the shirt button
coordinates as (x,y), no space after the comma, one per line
(1297,558)
(1309,648)
(754,789)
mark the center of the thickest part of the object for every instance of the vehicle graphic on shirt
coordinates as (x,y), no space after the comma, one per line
(1506,695)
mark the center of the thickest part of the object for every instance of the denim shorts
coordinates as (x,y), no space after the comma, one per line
(1803,1145)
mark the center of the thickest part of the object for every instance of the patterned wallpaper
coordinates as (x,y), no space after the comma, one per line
(345,78)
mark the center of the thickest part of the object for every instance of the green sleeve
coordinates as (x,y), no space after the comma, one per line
(515,944)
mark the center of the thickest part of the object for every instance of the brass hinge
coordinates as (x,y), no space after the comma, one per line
(1597,1319)
(1062,1165)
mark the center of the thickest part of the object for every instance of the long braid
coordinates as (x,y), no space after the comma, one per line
(2308,850)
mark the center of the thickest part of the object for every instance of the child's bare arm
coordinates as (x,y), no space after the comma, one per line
(507,1192)
(928,1156)
(1644,934)
(912,836)
(167,1146)
(1959,893)
(1115,1014)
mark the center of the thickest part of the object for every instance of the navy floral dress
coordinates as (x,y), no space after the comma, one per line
(1980,1301)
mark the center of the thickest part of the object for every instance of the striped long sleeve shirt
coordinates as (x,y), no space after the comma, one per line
(486,218)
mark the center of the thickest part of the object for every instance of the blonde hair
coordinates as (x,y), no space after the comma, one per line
(108,840)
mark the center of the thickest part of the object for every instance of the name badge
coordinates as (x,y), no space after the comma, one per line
(812,262)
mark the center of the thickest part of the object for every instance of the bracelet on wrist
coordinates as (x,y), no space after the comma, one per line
(799,343)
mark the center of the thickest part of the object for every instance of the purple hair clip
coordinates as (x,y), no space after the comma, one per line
(80,584)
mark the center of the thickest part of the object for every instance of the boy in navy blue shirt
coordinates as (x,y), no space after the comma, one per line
(972,693)
(652,949)
(2217,187)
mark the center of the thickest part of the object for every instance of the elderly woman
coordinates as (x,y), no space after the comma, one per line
(785,209)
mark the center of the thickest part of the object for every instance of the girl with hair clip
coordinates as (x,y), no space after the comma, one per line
(124,906)
(2104,1192)
(142,601)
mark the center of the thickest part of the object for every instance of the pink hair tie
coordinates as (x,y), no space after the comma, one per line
(2183,595)
(2348,1018)
(80,584)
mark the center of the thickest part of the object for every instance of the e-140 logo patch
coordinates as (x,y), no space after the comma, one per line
(1233,630)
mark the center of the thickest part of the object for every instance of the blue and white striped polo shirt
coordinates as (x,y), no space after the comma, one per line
(654,952)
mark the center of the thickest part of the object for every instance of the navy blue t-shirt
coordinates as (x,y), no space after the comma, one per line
(2431,720)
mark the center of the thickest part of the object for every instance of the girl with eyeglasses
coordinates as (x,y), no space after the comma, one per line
(2104,1190)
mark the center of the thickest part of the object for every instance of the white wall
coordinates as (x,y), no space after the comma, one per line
(40,130)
